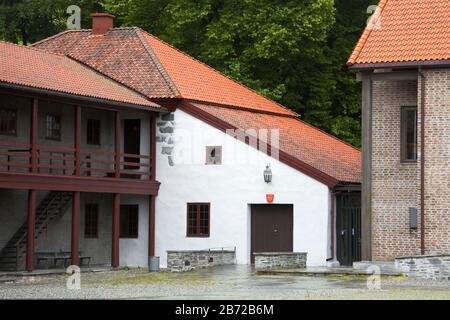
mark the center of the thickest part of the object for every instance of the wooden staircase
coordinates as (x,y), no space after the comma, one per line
(50,209)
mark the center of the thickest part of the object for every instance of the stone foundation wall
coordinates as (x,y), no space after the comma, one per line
(280,260)
(433,266)
(189,260)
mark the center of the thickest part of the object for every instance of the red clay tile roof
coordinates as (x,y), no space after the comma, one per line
(33,68)
(197,81)
(120,54)
(407,31)
(300,140)
(154,68)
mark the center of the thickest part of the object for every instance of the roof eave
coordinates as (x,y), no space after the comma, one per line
(400,64)
(112,103)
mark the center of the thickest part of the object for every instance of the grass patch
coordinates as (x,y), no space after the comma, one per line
(122,278)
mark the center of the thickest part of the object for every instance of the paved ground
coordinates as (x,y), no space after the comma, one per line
(231,282)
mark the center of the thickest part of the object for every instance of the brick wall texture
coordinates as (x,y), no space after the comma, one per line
(396,185)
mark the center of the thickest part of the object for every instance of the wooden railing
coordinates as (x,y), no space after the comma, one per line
(56,160)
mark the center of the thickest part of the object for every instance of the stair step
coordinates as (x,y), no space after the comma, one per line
(52,207)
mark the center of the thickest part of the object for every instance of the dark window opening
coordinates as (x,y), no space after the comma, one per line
(8,122)
(214,155)
(129,221)
(91,221)
(198,219)
(409,134)
(93,131)
(53,127)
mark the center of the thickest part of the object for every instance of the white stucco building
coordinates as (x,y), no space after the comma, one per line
(216,143)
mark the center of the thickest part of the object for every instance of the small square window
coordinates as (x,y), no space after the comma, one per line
(93,132)
(8,122)
(214,155)
(53,127)
(198,219)
(91,221)
(129,221)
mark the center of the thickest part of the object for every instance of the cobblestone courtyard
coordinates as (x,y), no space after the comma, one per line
(231,282)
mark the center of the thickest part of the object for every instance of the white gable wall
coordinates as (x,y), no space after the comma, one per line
(230,188)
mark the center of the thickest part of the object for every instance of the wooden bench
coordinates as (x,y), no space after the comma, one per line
(60,256)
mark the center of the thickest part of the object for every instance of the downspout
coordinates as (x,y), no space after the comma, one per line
(422,162)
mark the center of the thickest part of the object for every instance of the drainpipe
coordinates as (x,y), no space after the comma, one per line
(422,162)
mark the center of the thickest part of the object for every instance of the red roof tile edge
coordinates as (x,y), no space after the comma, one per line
(147,104)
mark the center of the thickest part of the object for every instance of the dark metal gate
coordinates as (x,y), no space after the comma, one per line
(348,227)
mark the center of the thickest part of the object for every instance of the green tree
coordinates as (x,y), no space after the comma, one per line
(293,51)
(28,21)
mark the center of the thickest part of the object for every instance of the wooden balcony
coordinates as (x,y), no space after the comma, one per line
(70,165)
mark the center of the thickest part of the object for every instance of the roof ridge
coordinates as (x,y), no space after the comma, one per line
(56,36)
(158,64)
(217,71)
(367,31)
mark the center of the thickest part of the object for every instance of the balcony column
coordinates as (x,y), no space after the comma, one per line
(31,221)
(151,226)
(77,142)
(152,199)
(75,239)
(117,144)
(115,231)
(34,136)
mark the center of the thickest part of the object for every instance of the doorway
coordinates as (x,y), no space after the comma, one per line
(348,228)
(132,141)
(272,228)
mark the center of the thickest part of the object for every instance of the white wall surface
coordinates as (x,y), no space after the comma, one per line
(231,188)
(134,252)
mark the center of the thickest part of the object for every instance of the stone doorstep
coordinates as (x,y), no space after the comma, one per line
(385,266)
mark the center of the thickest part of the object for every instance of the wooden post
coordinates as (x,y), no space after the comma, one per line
(152,198)
(115,231)
(151,226)
(75,240)
(117,144)
(77,142)
(34,136)
(152,147)
(31,221)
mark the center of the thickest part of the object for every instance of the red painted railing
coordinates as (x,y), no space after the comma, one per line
(56,160)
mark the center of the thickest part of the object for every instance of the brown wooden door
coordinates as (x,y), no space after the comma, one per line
(272,228)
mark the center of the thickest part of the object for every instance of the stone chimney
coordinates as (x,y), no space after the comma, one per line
(102,22)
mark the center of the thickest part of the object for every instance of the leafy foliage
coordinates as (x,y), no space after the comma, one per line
(293,51)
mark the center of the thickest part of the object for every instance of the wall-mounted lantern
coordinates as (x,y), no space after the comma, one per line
(268,174)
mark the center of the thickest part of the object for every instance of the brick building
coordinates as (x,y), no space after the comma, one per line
(403,62)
